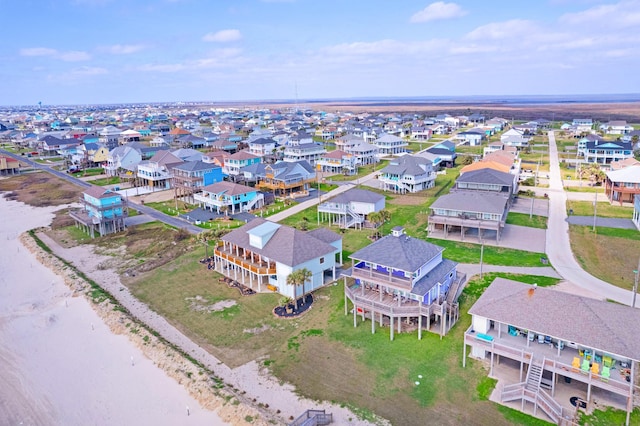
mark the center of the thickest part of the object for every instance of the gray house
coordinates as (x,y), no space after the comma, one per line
(488,180)
(351,207)
(399,277)
(461,211)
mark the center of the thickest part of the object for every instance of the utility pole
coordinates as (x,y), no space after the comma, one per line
(481,257)
(635,285)
(595,209)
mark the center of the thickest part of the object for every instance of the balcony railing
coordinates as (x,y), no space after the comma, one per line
(244,263)
(389,306)
(611,384)
(370,274)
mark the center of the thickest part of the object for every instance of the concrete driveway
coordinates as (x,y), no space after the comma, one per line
(513,236)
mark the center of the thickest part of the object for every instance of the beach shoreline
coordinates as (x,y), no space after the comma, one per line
(61,361)
(236,395)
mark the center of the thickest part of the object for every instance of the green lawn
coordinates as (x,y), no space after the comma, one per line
(523,219)
(600,253)
(585,188)
(470,253)
(604,209)
(106,181)
(317,352)
(362,172)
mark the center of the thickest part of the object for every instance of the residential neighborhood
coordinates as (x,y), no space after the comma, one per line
(293,203)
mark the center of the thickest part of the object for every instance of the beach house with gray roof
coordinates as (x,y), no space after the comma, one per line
(351,208)
(262,254)
(490,180)
(408,173)
(550,334)
(398,278)
(462,211)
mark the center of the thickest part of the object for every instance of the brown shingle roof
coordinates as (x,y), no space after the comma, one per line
(602,326)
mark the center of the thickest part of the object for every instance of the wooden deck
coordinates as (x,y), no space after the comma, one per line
(521,349)
(261,268)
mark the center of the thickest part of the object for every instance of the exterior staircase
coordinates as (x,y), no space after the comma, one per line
(530,391)
(352,218)
(252,203)
(534,377)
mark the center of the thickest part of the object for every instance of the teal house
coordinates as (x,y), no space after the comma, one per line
(103,211)
(230,197)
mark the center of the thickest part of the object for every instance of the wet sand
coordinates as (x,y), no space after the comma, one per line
(59,362)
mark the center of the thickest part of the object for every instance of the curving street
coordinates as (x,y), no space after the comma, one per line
(558,246)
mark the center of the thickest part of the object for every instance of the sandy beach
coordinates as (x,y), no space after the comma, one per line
(67,360)
(60,363)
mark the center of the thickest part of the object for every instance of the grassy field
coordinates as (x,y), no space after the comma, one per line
(362,171)
(106,181)
(604,209)
(470,253)
(522,219)
(609,254)
(325,357)
(584,188)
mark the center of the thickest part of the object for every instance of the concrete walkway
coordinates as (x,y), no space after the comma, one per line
(558,246)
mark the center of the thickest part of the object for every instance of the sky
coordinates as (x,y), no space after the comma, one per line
(122,51)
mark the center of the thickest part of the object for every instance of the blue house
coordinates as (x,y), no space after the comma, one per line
(229,196)
(191,176)
(401,277)
(102,210)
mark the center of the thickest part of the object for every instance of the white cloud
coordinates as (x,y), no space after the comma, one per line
(503,30)
(89,71)
(124,49)
(74,56)
(438,11)
(68,56)
(38,51)
(162,67)
(622,14)
(223,36)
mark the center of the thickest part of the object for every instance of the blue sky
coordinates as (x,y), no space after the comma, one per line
(107,51)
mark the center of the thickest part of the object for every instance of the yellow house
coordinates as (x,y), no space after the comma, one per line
(100,155)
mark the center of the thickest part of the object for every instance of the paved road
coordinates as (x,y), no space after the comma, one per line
(558,247)
(155,214)
(605,222)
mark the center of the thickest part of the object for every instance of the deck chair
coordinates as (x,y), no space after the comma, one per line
(576,364)
(607,361)
(585,366)
(606,373)
(595,368)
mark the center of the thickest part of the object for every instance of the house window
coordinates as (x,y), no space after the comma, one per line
(321,260)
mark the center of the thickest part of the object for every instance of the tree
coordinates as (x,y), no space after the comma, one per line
(374,218)
(466,160)
(296,278)
(385,215)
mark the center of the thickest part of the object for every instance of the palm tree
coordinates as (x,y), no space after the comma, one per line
(385,215)
(374,218)
(296,278)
